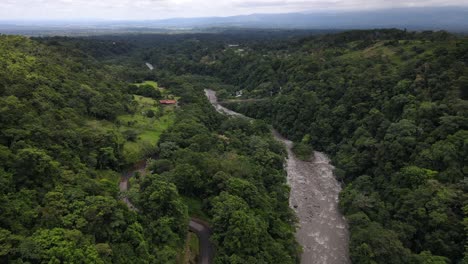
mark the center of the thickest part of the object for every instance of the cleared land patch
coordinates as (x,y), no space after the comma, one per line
(143,129)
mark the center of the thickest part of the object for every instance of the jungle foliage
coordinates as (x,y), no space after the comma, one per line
(59,166)
(233,167)
(389,106)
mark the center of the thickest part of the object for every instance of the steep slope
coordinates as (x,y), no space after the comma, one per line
(59,167)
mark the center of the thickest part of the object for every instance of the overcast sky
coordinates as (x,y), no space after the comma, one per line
(158,9)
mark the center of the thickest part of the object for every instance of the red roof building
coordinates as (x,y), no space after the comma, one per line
(168,102)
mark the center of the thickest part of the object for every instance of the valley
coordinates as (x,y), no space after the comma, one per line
(227,133)
(322,229)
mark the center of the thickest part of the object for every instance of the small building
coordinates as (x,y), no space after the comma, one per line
(168,102)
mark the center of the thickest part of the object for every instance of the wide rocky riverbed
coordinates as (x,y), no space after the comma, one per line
(322,231)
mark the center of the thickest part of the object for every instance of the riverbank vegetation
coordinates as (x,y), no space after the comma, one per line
(390,107)
(303,149)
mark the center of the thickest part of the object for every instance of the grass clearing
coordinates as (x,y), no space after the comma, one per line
(148,130)
(145,130)
(152,83)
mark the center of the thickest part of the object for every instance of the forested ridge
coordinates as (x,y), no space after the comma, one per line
(390,108)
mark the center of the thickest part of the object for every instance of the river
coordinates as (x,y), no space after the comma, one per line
(323,230)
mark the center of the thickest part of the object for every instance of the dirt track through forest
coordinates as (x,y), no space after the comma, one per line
(199,227)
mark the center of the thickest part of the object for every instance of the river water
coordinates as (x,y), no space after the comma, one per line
(322,231)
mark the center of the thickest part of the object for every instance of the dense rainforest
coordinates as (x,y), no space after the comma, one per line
(230,171)
(389,106)
(71,117)
(59,170)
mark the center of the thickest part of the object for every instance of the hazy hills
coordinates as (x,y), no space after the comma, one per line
(451,18)
(433,18)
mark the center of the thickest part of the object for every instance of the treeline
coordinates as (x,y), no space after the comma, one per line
(59,199)
(389,106)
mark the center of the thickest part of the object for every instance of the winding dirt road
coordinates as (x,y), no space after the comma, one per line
(199,227)
(322,231)
(203,232)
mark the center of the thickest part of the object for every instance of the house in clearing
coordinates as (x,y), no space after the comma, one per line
(168,102)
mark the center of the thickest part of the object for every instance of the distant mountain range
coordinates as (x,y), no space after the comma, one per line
(433,18)
(450,18)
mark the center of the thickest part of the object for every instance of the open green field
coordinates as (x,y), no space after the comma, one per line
(152,83)
(147,129)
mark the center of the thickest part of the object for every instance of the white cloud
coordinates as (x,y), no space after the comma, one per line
(155,9)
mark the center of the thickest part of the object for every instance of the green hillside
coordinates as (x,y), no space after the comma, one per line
(62,147)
